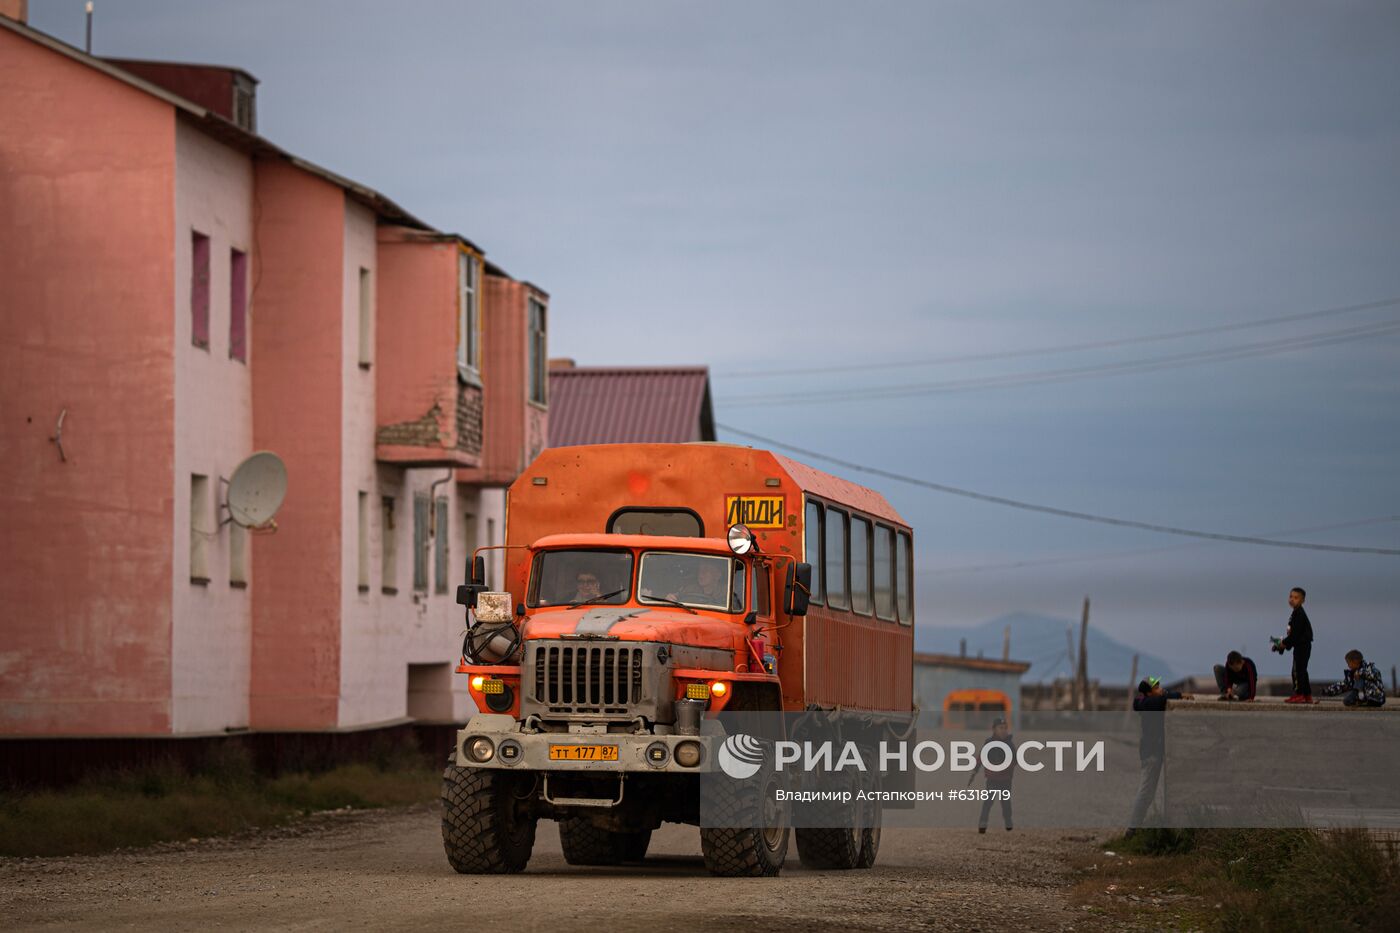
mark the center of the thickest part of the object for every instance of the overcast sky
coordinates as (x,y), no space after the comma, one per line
(808,185)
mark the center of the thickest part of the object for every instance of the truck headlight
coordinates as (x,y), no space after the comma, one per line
(688,754)
(479,748)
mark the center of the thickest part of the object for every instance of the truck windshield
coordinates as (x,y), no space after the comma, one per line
(599,578)
(702,581)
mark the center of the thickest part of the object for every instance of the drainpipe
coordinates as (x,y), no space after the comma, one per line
(432,501)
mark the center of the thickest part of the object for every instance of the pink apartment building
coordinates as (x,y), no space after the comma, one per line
(177,293)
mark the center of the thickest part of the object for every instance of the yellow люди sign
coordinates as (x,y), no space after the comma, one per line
(754,511)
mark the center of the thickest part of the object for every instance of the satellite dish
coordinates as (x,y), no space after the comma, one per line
(257,489)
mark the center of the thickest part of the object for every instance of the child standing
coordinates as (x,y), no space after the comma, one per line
(1299,639)
(998,779)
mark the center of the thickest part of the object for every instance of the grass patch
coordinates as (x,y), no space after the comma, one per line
(1248,879)
(225,795)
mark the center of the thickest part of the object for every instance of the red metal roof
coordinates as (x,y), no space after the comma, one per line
(625,405)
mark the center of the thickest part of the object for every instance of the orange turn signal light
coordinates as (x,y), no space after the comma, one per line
(719,688)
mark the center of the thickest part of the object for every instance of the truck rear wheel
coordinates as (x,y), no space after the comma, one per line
(752,838)
(586,844)
(487,828)
(828,848)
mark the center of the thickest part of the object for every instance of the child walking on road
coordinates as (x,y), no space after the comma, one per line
(998,779)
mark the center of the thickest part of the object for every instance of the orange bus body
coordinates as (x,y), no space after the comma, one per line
(832,657)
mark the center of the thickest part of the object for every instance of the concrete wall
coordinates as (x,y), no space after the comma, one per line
(212,627)
(87,211)
(298,401)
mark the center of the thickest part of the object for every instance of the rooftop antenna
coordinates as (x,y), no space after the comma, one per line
(256,491)
(89,28)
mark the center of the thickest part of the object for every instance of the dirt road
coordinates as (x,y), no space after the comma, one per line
(386,871)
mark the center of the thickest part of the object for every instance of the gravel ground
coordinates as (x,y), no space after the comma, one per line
(385,870)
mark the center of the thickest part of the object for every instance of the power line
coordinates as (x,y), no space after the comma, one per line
(1138,552)
(1143,365)
(1065,347)
(1062,513)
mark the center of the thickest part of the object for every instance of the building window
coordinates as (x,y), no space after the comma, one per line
(837,528)
(366,318)
(421,510)
(238,306)
(362,543)
(860,566)
(813,549)
(389,552)
(199,289)
(904,578)
(200,532)
(440,546)
(883,564)
(468,336)
(539,353)
(237,555)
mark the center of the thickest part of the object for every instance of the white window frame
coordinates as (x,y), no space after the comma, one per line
(468,316)
(537,367)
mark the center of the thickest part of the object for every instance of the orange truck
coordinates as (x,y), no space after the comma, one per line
(648,587)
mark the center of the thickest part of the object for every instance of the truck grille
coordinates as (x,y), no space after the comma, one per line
(571,679)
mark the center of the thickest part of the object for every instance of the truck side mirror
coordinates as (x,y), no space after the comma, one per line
(476,582)
(798,592)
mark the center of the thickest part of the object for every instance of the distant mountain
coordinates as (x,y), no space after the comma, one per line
(1041,641)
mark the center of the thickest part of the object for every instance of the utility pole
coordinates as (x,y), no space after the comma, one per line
(1132,686)
(1081,685)
(1069,661)
(1006,643)
(1394,688)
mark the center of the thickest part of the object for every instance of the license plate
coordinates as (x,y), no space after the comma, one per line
(583,753)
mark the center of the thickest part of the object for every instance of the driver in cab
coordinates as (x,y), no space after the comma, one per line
(707,589)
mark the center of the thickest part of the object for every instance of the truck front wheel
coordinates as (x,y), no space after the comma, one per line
(751,839)
(487,827)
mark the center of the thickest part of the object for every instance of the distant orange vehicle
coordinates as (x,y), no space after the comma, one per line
(648,585)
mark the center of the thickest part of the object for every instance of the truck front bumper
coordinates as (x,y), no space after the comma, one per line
(513,750)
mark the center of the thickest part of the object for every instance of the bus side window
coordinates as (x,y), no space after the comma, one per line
(814,540)
(835,554)
(884,572)
(904,578)
(860,567)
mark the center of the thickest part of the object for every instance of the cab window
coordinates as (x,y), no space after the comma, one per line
(701,581)
(561,578)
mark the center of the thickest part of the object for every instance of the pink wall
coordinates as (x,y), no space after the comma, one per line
(515,429)
(86,227)
(297,350)
(416,350)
